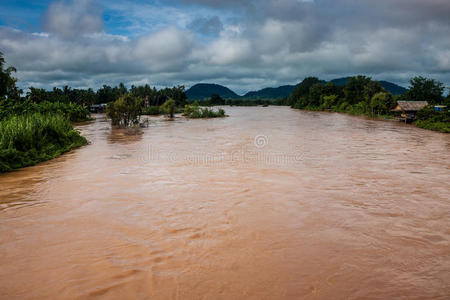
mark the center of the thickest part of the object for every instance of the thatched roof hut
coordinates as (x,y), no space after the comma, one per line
(410,106)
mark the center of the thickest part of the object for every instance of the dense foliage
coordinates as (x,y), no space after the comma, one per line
(125,111)
(428,118)
(361,95)
(107,94)
(36,130)
(74,112)
(28,139)
(423,89)
(158,97)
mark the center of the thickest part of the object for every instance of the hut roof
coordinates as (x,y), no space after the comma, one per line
(410,105)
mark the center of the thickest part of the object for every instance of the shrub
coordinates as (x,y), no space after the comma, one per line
(433,120)
(151,111)
(361,108)
(342,107)
(125,111)
(197,112)
(436,126)
(426,113)
(168,108)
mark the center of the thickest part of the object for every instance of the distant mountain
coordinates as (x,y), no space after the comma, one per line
(340,81)
(393,88)
(202,91)
(388,86)
(271,93)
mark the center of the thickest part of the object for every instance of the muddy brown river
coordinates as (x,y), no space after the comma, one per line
(270,203)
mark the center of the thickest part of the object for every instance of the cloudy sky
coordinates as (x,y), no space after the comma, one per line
(243,44)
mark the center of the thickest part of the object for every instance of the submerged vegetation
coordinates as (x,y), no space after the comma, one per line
(28,139)
(125,111)
(216,100)
(168,108)
(151,111)
(196,112)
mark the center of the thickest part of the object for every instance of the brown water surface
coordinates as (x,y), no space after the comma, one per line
(270,203)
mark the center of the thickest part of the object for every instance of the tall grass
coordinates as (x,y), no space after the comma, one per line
(72,111)
(75,112)
(28,139)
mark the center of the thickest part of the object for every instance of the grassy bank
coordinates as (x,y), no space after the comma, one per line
(26,140)
(439,122)
(443,127)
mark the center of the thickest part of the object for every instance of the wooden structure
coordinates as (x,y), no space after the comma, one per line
(408,109)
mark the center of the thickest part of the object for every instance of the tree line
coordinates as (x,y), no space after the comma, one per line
(362,95)
(107,94)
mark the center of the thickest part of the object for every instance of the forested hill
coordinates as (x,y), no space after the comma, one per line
(206,90)
(271,93)
(388,86)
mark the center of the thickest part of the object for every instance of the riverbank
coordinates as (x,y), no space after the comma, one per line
(430,123)
(443,127)
(26,140)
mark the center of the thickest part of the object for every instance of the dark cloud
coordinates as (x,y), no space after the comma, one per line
(265,43)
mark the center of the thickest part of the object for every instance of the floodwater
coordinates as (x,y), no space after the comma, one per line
(270,203)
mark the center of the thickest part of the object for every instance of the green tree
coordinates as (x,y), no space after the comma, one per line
(302,90)
(423,89)
(8,88)
(354,89)
(316,93)
(381,103)
(216,100)
(330,101)
(125,111)
(168,108)
(371,88)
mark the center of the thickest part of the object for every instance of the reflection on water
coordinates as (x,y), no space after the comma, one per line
(124,136)
(269,203)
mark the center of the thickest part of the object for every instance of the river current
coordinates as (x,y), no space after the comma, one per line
(269,203)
